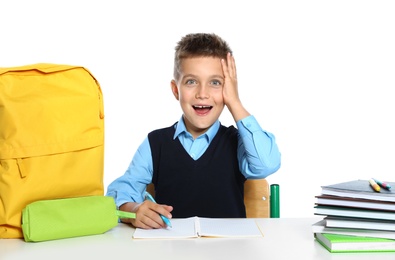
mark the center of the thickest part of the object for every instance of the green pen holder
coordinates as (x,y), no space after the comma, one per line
(274,201)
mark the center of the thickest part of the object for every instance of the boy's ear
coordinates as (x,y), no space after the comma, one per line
(174,89)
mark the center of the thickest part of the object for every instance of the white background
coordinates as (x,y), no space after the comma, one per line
(317,74)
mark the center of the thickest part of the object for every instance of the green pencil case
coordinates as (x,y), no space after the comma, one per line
(71,217)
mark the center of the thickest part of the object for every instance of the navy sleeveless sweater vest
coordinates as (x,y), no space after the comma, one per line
(211,186)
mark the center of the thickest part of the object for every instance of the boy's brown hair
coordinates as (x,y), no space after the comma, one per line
(199,45)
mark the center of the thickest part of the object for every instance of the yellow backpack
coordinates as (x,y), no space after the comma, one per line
(51,138)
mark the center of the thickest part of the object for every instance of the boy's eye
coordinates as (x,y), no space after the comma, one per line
(216,82)
(190,81)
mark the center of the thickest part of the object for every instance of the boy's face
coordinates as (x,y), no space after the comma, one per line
(199,90)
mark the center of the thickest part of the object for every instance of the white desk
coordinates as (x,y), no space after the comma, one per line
(284,238)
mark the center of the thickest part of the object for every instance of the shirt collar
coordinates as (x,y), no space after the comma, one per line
(181,128)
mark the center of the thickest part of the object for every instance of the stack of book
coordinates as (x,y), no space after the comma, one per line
(358,217)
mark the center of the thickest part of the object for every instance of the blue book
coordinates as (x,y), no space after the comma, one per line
(359,189)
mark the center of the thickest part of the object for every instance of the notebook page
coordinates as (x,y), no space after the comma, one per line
(181,228)
(230,227)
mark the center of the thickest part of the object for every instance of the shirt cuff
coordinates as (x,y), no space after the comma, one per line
(248,125)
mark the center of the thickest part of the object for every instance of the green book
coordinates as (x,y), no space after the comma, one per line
(335,243)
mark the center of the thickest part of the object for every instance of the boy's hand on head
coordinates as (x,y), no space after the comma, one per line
(148,215)
(230,89)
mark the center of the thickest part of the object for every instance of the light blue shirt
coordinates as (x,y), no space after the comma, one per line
(257,153)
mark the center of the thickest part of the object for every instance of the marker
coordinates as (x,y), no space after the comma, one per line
(166,220)
(374,185)
(383,184)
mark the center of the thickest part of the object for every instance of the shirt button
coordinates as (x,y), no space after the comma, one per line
(193,155)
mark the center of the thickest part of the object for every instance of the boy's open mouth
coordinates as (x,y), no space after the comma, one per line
(202,109)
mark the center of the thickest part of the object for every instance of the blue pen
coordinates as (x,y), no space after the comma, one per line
(166,220)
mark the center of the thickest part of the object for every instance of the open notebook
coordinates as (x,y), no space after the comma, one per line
(203,227)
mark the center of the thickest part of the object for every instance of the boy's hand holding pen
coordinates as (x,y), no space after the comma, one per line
(165,219)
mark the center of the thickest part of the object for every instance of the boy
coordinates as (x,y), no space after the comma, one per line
(197,165)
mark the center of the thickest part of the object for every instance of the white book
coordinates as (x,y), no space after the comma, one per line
(354,212)
(320,227)
(375,224)
(341,201)
(203,227)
